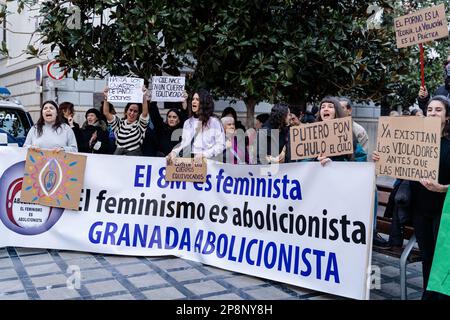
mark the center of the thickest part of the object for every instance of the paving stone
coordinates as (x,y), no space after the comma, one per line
(376,296)
(416,281)
(102,287)
(204,287)
(171,264)
(190,274)
(268,293)
(134,269)
(392,289)
(391,271)
(415,267)
(227,296)
(7,273)
(68,255)
(27,251)
(299,290)
(147,280)
(100,283)
(43,269)
(323,297)
(10,286)
(88,275)
(169,293)
(15,296)
(218,271)
(118,297)
(121,259)
(84,263)
(52,280)
(5,262)
(244,281)
(58,294)
(36,258)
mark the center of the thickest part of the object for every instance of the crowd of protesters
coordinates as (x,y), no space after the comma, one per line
(191,129)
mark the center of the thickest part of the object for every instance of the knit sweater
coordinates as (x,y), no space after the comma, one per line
(62,137)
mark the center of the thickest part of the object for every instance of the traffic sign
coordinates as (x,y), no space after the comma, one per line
(55,72)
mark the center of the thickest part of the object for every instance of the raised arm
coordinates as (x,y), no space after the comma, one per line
(145,102)
(106,112)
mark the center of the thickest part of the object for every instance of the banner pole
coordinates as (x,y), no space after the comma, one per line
(422,64)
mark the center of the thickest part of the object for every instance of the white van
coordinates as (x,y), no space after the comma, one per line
(15,121)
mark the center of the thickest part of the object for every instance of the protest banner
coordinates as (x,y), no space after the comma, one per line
(439,280)
(421,26)
(53,179)
(409,147)
(275,226)
(326,138)
(186,169)
(168,89)
(125,90)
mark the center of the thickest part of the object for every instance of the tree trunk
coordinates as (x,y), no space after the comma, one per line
(250,104)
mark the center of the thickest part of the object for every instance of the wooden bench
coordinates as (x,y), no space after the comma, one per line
(408,253)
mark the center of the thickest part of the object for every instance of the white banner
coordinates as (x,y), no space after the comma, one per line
(125,90)
(168,89)
(297,223)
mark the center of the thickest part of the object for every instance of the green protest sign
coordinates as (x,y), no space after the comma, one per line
(440,271)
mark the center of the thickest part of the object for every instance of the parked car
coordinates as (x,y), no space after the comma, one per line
(15,121)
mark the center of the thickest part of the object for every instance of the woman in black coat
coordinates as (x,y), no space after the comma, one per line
(161,137)
(94,133)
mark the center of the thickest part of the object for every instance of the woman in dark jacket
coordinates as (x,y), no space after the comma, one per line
(276,125)
(94,133)
(161,139)
(427,197)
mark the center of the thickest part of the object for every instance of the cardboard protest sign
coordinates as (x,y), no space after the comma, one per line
(409,147)
(326,138)
(168,89)
(440,271)
(186,169)
(421,26)
(53,179)
(125,90)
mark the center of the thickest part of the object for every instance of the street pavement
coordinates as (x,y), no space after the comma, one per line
(40,274)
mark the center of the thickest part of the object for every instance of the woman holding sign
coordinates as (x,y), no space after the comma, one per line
(163,138)
(202,132)
(331,109)
(50,131)
(130,130)
(427,197)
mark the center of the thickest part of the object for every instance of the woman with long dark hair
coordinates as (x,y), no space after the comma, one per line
(427,197)
(276,124)
(203,134)
(163,142)
(50,131)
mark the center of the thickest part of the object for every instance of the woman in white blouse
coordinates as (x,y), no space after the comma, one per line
(203,134)
(50,131)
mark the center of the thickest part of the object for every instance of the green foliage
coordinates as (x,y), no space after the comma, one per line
(255,50)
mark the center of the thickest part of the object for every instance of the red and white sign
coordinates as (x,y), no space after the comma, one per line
(55,71)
